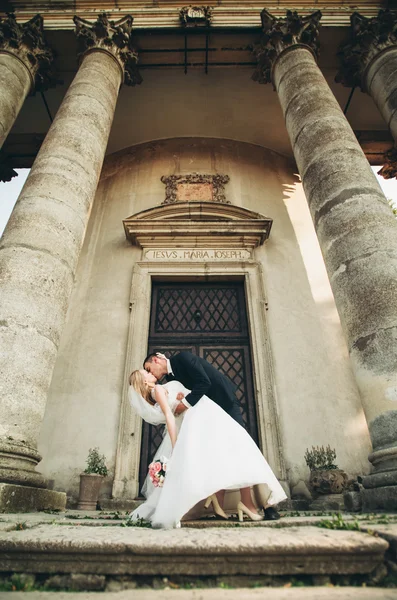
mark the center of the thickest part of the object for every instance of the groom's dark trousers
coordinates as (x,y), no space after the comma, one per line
(202,378)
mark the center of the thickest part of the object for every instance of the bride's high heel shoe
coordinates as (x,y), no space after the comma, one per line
(215,506)
(241,508)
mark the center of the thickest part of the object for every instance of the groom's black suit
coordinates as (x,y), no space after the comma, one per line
(201,378)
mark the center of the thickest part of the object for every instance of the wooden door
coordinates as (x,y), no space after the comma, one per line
(210,320)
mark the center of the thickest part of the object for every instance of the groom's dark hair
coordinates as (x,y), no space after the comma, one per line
(149,358)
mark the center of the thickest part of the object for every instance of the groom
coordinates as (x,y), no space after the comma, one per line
(201,378)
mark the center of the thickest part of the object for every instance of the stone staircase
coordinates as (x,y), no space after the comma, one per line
(70,551)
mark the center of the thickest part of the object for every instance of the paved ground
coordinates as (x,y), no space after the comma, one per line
(318,593)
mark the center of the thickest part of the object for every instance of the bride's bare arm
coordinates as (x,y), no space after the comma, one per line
(161,399)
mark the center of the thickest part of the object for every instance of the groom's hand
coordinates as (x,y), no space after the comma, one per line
(180,408)
(180,396)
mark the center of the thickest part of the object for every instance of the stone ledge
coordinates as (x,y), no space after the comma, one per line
(117,504)
(21,498)
(232,551)
(306,593)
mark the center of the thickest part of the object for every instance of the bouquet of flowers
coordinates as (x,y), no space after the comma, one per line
(157,471)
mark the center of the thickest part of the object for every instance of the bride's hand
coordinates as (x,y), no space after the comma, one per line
(180,408)
(180,396)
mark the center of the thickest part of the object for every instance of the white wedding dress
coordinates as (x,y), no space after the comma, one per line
(212,452)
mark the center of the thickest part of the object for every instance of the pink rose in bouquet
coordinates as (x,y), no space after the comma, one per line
(157,470)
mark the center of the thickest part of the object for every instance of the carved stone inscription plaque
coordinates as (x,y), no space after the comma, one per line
(197,254)
(188,192)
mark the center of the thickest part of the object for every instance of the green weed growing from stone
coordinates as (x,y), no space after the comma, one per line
(337,522)
(18,583)
(136,523)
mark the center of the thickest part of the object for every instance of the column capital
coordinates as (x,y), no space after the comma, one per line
(113,37)
(27,43)
(368,38)
(282,34)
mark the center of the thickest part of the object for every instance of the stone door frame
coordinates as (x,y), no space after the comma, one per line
(126,480)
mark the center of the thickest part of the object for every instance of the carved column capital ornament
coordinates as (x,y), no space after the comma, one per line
(368,38)
(389,169)
(27,43)
(113,37)
(280,35)
(196,16)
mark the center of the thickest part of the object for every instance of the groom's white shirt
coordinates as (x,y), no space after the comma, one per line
(169,371)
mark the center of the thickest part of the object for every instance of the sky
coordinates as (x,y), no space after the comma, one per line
(9,193)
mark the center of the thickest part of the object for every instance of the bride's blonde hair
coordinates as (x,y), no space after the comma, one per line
(139,384)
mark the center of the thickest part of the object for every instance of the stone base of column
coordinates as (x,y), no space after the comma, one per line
(375,480)
(18,463)
(379,498)
(380,487)
(21,498)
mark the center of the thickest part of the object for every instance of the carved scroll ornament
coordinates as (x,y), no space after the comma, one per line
(389,169)
(212,185)
(193,16)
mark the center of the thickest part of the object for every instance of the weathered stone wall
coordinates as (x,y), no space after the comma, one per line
(317,396)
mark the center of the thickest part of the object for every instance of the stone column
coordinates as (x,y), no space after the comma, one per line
(41,244)
(369,61)
(25,65)
(356,229)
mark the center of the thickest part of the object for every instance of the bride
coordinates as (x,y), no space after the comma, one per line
(208,451)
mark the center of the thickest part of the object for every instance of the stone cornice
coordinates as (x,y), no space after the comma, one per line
(281,34)
(197,225)
(369,37)
(113,37)
(26,42)
(229,13)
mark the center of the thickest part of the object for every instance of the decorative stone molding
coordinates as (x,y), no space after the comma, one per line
(369,37)
(27,43)
(196,16)
(125,484)
(197,225)
(113,37)
(281,34)
(389,169)
(209,186)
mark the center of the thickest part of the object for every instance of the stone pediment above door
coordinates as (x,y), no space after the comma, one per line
(197,225)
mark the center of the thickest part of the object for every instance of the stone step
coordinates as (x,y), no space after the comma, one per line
(225,551)
(307,593)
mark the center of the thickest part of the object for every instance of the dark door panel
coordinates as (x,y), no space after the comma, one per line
(210,320)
